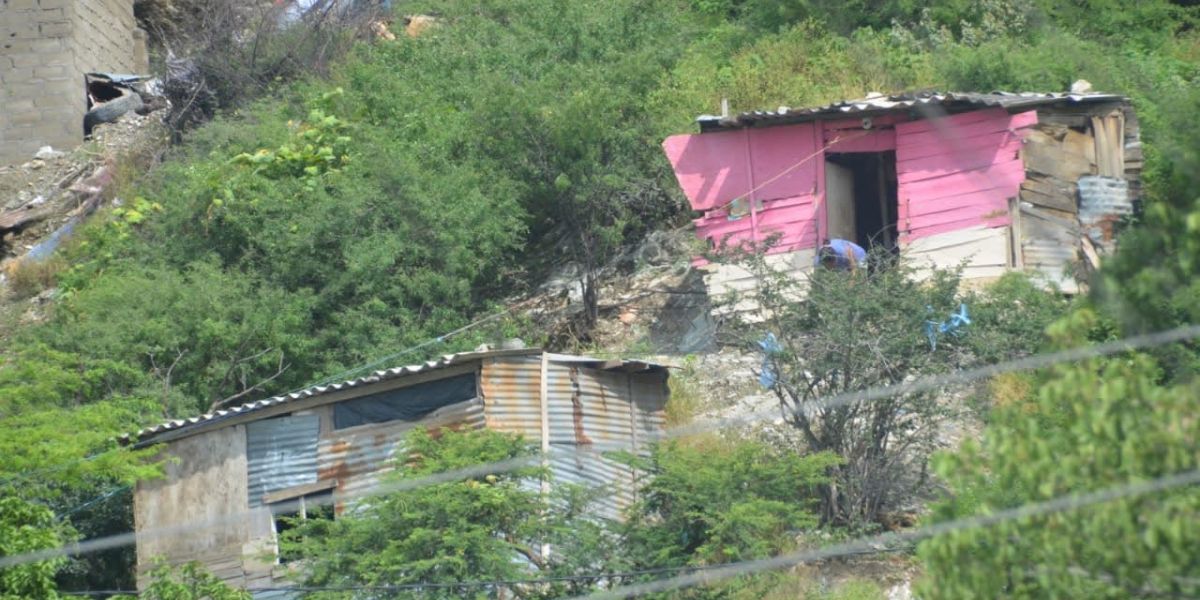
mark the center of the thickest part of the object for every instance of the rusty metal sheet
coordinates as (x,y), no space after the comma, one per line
(590,407)
(573,465)
(1103,203)
(358,457)
(511,390)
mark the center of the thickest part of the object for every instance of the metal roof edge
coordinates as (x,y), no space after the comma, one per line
(146,436)
(884,104)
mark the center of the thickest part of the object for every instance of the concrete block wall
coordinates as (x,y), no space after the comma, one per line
(105,29)
(45,48)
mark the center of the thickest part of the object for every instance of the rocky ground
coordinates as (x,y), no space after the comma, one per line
(44,198)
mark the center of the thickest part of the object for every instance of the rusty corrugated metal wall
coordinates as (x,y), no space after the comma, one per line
(358,457)
(589,411)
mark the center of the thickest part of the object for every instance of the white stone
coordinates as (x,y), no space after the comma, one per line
(48,153)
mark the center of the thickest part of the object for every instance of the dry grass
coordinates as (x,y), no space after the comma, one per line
(687,398)
(26,278)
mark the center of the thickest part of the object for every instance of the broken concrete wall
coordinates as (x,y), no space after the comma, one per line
(45,48)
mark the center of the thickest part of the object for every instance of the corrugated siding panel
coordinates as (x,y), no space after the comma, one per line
(575,465)
(358,457)
(1052,261)
(958,172)
(512,396)
(1103,203)
(590,407)
(281,453)
(590,411)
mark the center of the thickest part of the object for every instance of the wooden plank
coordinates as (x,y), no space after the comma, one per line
(1054,162)
(967,164)
(1089,252)
(1109,136)
(1080,144)
(299,490)
(16,219)
(954,159)
(1006,177)
(974,215)
(1061,202)
(983,250)
(876,140)
(988,140)
(948,226)
(976,118)
(984,202)
(1014,244)
(1066,120)
(912,141)
(1048,186)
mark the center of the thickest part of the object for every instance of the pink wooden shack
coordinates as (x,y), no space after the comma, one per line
(1000,181)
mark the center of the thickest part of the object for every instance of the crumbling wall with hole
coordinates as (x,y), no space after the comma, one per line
(45,48)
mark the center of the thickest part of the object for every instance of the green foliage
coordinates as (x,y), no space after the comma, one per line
(484,528)
(316,148)
(854,331)
(1009,318)
(712,502)
(188,582)
(1086,426)
(27,527)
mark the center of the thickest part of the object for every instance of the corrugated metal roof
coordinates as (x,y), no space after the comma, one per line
(877,104)
(146,434)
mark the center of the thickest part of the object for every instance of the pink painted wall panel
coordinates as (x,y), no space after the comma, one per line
(874,140)
(782,161)
(1002,177)
(930,167)
(949,135)
(777,166)
(958,171)
(790,216)
(711,167)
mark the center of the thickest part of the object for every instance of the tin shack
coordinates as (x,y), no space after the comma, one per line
(331,444)
(1031,181)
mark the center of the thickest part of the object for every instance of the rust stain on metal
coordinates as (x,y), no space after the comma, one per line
(577,408)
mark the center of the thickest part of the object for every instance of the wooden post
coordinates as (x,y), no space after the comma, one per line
(545,399)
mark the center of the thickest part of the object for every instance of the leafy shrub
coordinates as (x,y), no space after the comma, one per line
(1086,426)
(28,527)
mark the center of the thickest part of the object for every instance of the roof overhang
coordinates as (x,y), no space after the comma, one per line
(319,395)
(919,105)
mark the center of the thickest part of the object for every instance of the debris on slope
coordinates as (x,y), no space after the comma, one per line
(44,199)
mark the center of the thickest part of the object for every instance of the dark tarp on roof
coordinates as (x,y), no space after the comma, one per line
(406,404)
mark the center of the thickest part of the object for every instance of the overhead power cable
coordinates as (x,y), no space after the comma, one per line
(922,384)
(1032,510)
(706,574)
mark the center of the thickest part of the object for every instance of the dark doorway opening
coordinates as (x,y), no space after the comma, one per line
(862,198)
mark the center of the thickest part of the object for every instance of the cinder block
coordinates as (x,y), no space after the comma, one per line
(19,105)
(50,73)
(55,29)
(18,75)
(29,117)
